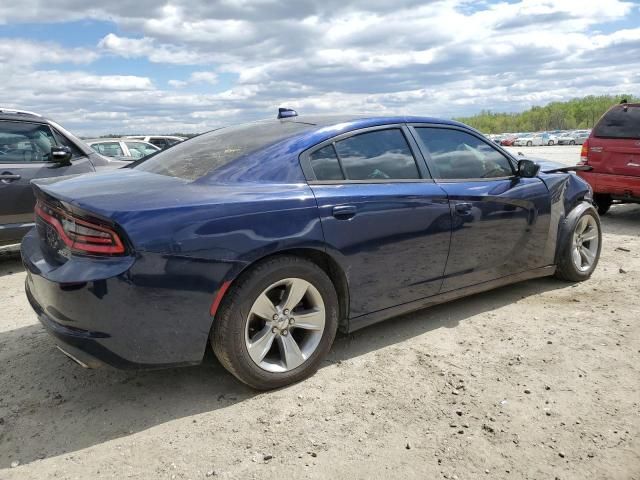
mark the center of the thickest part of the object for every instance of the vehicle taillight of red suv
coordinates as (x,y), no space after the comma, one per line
(613,150)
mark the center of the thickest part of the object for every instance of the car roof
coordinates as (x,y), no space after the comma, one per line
(23,116)
(323,127)
(115,139)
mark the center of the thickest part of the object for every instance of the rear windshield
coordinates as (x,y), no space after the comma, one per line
(619,122)
(202,155)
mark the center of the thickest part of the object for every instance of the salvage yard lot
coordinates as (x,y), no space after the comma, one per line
(535,380)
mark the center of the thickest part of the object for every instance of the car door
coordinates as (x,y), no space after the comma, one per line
(384,219)
(500,220)
(25,150)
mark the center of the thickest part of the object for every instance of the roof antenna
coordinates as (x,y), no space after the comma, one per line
(286,113)
(623,102)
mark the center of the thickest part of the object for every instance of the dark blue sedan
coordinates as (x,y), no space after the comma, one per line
(264,239)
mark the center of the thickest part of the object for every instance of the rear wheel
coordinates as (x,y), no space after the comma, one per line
(529,143)
(603,202)
(550,143)
(572,142)
(581,252)
(277,323)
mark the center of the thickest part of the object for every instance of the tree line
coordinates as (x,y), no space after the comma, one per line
(578,113)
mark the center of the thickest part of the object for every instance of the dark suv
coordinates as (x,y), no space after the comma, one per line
(613,150)
(32,146)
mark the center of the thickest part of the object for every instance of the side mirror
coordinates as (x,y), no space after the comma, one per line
(527,168)
(61,155)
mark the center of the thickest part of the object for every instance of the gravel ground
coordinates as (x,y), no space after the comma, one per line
(536,380)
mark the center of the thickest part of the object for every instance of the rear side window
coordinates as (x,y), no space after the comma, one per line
(619,122)
(377,155)
(460,155)
(325,165)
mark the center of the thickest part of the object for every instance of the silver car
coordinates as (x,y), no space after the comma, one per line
(122,148)
(573,138)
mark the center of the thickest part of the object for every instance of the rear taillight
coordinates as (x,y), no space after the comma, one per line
(584,153)
(80,235)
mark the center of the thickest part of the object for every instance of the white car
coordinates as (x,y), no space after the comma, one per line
(574,138)
(160,141)
(529,140)
(122,148)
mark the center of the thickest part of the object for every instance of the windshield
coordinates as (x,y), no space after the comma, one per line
(202,155)
(622,121)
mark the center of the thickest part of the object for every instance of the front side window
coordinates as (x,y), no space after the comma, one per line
(460,155)
(65,142)
(22,142)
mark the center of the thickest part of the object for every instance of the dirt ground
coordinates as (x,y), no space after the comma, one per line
(536,380)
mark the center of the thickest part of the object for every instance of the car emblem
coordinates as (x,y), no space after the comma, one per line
(51,238)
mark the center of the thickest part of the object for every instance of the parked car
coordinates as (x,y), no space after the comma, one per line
(122,148)
(32,146)
(549,138)
(264,239)
(573,138)
(528,140)
(160,141)
(613,150)
(508,140)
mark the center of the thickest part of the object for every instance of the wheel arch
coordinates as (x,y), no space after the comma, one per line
(315,255)
(567,225)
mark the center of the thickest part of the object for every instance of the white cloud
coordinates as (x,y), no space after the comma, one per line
(435,57)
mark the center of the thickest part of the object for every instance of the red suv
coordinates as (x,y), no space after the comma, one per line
(613,150)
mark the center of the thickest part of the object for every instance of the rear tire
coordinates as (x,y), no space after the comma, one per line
(572,142)
(267,353)
(603,202)
(581,251)
(529,144)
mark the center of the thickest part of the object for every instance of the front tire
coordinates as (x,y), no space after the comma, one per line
(581,251)
(572,142)
(603,202)
(529,144)
(276,323)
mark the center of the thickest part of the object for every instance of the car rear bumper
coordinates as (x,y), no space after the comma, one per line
(143,312)
(622,186)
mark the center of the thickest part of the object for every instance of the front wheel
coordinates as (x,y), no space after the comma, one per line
(581,251)
(550,143)
(603,202)
(277,323)
(572,142)
(529,144)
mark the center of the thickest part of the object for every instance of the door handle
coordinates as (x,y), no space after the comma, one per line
(344,212)
(8,177)
(463,208)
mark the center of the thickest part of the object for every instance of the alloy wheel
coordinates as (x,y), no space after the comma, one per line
(585,243)
(285,325)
